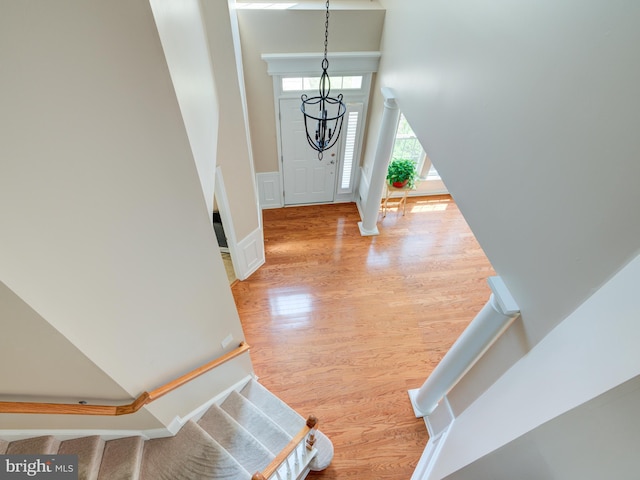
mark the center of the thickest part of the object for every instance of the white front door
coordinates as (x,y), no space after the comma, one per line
(306,179)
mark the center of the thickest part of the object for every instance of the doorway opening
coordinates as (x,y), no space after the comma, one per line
(305,179)
(218,228)
(222,227)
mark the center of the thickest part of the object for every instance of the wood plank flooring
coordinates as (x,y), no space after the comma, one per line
(342,325)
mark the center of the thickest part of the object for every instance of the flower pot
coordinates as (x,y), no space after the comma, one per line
(399,184)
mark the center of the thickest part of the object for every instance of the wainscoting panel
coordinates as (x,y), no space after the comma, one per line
(250,254)
(269,190)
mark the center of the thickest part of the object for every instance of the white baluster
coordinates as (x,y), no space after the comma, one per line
(288,468)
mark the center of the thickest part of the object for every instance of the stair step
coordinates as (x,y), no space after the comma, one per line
(47,445)
(290,420)
(89,451)
(191,455)
(243,446)
(242,435)
(122,459)
(256,422)
(281,413)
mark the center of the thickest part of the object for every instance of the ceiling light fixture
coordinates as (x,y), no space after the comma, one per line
(331,110)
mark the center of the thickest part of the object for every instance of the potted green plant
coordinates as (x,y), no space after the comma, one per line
(402,173)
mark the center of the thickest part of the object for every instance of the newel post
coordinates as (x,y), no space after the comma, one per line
(312,423)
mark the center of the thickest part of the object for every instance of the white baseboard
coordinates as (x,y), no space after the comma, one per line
(440,419)
(178,422)
(429,457)
(269,190)
(13,435)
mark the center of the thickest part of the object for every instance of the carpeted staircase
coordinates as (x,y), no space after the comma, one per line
(232,441)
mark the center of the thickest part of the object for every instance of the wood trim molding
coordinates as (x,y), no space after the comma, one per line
(114,410)
(342,63)
(287,450)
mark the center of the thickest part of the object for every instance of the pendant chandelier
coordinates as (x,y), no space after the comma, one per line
(323,114)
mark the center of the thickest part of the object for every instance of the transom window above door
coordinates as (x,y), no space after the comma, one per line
(292,84)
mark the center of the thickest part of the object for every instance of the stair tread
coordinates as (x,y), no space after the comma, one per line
(122,459)
(241,435)
(45,445)
(243,446)
(275,408)
(290,420)
(89,451)
(190,455)
(256,422)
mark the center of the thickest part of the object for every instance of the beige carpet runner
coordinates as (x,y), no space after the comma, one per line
(230,442)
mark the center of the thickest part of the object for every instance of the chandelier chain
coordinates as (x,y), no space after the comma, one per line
(323,111)
(326,31)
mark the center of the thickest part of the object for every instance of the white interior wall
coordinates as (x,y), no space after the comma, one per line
(32,338)
(233,149)
(106,234)
(39,364)
(593,441)
(527,111)
(33,356)
(351,29)
(185,46)
(590,353)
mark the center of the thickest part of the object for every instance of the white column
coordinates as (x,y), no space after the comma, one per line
(426,166)
(487,325)
(386,139)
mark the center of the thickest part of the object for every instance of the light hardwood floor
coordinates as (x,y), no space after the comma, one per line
(228,267)
(342,325)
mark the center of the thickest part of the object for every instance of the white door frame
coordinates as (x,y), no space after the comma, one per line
(308,64)
(305,177)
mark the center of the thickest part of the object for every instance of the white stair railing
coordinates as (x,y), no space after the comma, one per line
(483,330)
(292,463)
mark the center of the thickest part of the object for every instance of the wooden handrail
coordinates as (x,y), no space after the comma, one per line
(286,451)
(113,410)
